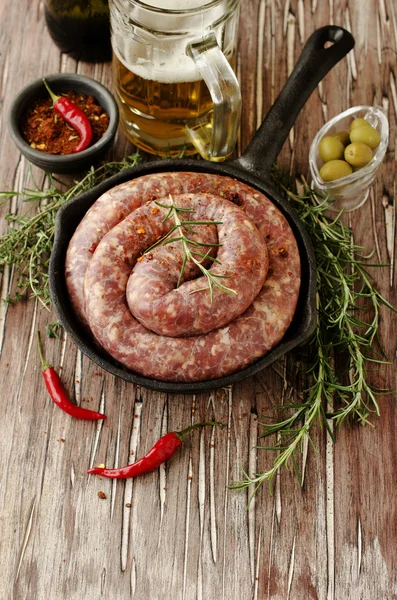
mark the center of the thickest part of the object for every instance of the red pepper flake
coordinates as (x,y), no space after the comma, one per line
(102,495)
(46,130)
(283,252)
(155,210)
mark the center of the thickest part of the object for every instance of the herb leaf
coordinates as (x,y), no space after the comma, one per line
(343,285)
(180,226)
(28,243)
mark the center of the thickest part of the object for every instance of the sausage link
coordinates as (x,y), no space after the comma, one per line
(202,356)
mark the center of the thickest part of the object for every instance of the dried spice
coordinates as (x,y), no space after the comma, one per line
(74,116)
(45,130)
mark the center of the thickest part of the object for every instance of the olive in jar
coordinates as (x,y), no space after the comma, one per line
(335,169)
(330,148)
(358,154)
(358,122)
(342,136)
(367,135)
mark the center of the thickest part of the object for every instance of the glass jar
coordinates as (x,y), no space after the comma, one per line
(350,192)
(80,28)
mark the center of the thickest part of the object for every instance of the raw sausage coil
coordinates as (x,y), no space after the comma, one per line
(180,335)
(152,293)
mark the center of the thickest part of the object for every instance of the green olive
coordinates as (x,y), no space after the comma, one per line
(357,123)
(330,148)
(366,134)
(358,154)
(335,169)
(342,136)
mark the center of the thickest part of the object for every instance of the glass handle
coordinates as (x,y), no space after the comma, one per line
(217,141)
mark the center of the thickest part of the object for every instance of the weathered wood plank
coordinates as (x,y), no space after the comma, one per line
(181,531)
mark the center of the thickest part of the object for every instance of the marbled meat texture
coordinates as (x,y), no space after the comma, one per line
(152,293)
(189,354)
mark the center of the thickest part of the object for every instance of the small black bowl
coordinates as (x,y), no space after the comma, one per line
(63,83)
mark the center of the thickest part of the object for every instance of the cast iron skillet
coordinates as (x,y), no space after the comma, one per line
(252,168)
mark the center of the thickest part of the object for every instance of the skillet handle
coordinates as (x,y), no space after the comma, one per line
(313,64)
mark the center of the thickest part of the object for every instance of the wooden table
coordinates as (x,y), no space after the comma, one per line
(181,532)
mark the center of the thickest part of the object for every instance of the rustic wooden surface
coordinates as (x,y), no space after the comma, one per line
(180,532)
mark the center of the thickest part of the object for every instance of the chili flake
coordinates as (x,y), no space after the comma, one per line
(45,130)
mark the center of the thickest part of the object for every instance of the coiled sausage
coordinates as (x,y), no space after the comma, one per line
(197,350)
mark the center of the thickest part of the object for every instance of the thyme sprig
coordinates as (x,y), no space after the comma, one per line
(344,289)
(181,226)
(28,243)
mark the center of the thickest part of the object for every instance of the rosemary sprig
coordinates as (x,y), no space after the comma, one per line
(344,287)
(180,226)
(28,243)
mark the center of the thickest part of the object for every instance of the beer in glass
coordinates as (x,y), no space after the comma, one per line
(173,63)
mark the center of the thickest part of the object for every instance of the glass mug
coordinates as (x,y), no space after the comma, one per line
(173,75)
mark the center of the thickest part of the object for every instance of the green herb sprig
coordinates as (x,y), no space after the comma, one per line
(181,226)
(344,286)
(28,243)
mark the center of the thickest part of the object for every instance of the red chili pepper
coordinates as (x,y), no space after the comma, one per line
(74,116)
(58,394)
(162,451)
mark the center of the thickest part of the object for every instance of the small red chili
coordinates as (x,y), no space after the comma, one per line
(74,116)
(58,394)
(162,451)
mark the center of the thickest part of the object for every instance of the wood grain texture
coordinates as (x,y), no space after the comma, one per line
(181,532)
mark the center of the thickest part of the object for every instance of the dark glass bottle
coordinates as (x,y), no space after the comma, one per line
(80,28)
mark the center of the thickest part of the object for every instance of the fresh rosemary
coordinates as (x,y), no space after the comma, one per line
(27,244)
(181,226)
(344,286)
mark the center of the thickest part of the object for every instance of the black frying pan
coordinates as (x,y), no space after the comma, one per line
(252,168)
